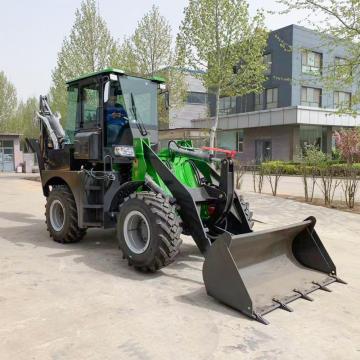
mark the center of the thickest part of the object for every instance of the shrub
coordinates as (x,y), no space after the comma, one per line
(291,169)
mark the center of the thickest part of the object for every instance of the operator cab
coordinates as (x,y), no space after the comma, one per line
(107,110)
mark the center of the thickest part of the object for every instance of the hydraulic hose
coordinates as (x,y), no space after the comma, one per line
(173,146)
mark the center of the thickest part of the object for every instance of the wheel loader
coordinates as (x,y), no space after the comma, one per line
(105,170)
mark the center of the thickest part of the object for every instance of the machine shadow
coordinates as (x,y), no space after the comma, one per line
(98,249)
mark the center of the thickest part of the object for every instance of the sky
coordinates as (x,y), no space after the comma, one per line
(31,35)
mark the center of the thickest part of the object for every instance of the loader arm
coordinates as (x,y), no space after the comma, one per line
(190,200)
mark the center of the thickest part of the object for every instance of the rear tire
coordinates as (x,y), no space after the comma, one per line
(62,217)
(148,231)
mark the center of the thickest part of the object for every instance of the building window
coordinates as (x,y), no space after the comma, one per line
(258,101)
(312,135)
(342,99)
(196,98)
(226,140)
(267,62)
(310,97)
(311,62)
(240,140)
(227,105)
(271,98)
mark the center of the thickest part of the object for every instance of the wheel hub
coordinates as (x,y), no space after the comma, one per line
(57,215)
(136,232)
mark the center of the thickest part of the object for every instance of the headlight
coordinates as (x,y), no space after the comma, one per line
(125,151)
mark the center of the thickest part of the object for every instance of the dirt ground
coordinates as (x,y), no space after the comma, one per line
(82,301)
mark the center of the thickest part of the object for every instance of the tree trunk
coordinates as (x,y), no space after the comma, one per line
(216,121)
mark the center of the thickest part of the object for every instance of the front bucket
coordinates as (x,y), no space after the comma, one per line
(258,272)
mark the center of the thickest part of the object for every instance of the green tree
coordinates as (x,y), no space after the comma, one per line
(340,26)
(218,37)
(8,102)
(149,52)
(24,122)
(149,49)
(88,48)
(126,59)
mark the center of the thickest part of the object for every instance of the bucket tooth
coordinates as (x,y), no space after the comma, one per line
(283,305)
(260,319)
(322,287)
(338,280)
(303,295)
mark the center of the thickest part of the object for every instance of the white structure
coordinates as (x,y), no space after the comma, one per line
(195,106)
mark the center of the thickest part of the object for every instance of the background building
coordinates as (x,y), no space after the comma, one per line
(10,154)
(195,105)
(294,110)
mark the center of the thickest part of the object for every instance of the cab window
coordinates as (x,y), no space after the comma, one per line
(90,105)
(73,94)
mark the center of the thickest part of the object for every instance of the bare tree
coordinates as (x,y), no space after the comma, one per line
(258,174)
(273,171)
(350,185)
(240,171)
(328,183)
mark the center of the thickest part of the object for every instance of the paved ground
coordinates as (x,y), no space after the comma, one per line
(292,185)
(83,302)
(14,175)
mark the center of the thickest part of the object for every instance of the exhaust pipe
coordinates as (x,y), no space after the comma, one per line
(259,272)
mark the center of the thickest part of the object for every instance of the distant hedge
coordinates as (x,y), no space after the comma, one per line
(286,168)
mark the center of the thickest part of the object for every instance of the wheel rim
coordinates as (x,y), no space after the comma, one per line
(57,215)
(136,232)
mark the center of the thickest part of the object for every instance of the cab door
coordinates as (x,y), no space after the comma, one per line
(88,134)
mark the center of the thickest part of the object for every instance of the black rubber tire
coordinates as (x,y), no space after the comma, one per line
(70,233)
(165,230)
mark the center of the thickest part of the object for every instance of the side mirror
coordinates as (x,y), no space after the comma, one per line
(167,100)
(164,98)
(164,93)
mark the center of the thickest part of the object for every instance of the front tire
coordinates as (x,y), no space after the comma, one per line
(148,231)
(61,216)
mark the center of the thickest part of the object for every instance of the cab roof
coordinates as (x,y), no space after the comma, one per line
(101,72)
(109,70)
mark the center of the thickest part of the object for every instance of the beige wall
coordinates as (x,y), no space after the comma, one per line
(18,155)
